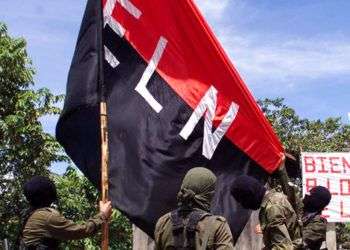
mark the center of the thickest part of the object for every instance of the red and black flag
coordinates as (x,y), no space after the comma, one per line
(174,102)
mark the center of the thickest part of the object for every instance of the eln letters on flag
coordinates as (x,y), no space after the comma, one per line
(174,102)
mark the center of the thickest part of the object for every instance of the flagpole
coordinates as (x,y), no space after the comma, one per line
(103,129)
(104,170)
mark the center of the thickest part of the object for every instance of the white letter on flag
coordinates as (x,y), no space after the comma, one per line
(115,25)
(207,106)
(153,63)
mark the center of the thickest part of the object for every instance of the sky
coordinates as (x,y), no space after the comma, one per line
(298,50)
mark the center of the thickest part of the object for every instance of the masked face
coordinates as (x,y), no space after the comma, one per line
(310,204)
(317,200)
(40,191)
(248,192)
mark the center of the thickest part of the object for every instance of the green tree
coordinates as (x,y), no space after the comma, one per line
(298,134)
(78,200)
(25,149)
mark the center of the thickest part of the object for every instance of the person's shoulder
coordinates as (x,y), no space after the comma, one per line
(276,203)
(219,218)
(320,219)
(214,225)
(277,199)
(213,220)
(45,211)
(52,210)
(272,197)
(163,224)
(42,215)
(164,219)
(276,196)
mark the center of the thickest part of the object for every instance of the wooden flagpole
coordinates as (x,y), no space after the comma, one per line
(104,169)
(103,129)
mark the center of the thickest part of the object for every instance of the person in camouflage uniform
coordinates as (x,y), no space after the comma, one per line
(191,226)
(309,209)
(314,225)
(278,220)
(43,227)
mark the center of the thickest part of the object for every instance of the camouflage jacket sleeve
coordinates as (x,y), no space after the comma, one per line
(159,230)
(223,237)
(63,229)
(314,232)
(275,230)
(157,236)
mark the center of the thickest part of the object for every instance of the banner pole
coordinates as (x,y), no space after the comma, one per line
(104,170)
(103,128)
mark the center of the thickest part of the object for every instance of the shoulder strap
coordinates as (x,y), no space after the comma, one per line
(184,228)
(176,221)
(178,229)
(193,220)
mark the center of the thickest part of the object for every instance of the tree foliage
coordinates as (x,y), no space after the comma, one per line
(299,134)
(77,201)
(25,149)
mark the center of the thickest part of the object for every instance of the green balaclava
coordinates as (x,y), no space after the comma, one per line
(197,189)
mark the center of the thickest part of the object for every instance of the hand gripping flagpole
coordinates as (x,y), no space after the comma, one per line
(103,129)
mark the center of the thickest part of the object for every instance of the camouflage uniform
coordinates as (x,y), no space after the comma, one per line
(279,223)
(314,231)
(46,226)
(212,231)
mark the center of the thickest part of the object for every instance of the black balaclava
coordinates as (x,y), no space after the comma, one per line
(248,192)
(318,199)
(40,191)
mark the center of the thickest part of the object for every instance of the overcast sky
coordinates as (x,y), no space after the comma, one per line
(299,50)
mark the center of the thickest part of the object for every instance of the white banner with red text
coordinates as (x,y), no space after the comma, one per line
(331,170)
